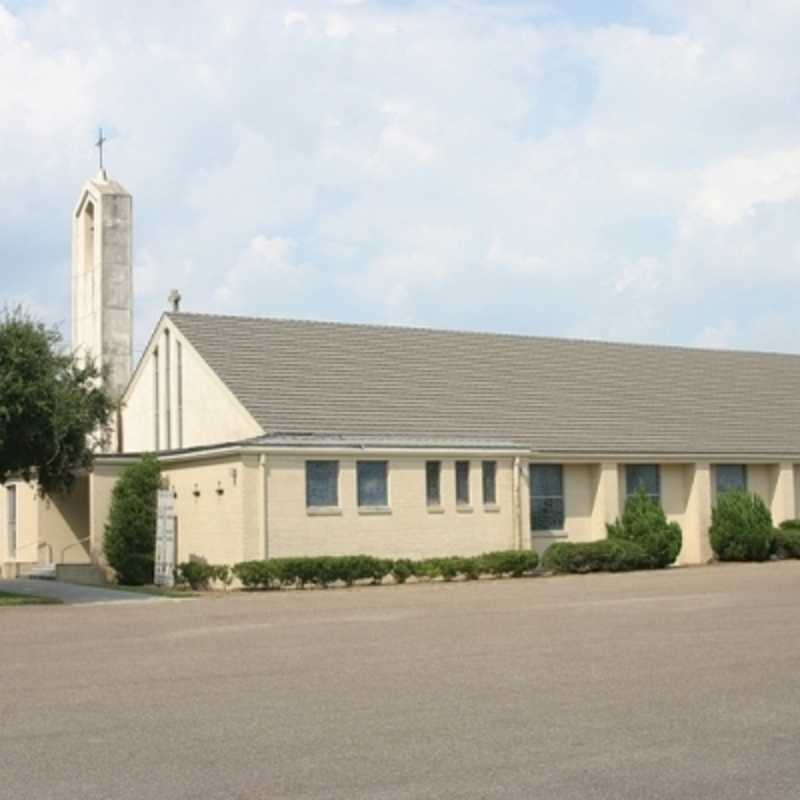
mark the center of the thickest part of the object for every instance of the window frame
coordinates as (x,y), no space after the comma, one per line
(717,468)
(489,502)
(547,497)
(463,503)
(430,501)
(323,506)
(372,506)
(629,493)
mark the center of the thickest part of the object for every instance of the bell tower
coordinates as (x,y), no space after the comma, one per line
(102,285)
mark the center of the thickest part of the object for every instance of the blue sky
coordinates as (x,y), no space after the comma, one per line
(620,170)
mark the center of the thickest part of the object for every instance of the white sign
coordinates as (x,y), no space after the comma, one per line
(165,539)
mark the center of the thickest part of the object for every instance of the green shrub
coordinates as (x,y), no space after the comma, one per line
(257,574)
(605,555)
(428,569)
(403,569)
(130,534)
(741,527)
(198,574)
(645,524)
(509,562)
(790,525)
(786,542)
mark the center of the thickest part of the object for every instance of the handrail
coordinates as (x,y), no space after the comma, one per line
(73,544)
(39,546)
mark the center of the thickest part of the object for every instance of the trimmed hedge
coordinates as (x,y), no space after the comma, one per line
(200,575)
(326,570)
(741,527)
(786,541)
(645,524)
(604,555)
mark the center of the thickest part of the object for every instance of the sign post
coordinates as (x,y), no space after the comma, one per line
(165,539)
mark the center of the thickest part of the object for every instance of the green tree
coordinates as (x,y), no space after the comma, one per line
(130,535)
(741,527)
(54,411)
(644,523)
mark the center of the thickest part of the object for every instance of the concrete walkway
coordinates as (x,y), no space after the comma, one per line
(74,594)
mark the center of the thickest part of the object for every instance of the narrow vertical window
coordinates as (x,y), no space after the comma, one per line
(11,521)
(179,389)
(489,469)
(373,484)
(167,392)
(462,483)
(547,497)
(156,402)
(322,484)
(643,476)
(433,483)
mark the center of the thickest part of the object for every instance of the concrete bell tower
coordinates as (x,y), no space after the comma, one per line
(102,285)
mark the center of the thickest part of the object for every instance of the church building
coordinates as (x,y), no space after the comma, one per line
(285,437)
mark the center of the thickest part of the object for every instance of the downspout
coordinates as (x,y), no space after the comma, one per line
(516,509)
(262,463)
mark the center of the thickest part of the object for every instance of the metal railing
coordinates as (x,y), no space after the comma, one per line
(73,544)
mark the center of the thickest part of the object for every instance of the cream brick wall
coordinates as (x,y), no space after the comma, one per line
(64,521)
(211,523)
(409,531)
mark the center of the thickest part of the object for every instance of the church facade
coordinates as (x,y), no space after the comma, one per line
(286,437)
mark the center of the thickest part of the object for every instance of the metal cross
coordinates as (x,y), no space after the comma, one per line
(101,140)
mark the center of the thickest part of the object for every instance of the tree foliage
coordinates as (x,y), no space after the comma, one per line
(130,535)
(54,412)
(741,527)
(645,524)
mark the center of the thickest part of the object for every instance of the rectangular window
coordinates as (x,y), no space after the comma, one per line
(373,484)
(156,402)
(179,389)
(11,520)
(167,392)
(730,476)
(322,484)
(489,483)
(462,483)
(547,497)
(643,476)
(433,483)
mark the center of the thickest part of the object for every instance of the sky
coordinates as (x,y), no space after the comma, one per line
(619,170)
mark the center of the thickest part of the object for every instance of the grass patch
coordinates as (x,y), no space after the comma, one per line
(14,599)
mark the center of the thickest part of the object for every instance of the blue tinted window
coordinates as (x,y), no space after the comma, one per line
(372,483)
(322,483)
(730,476)
(547,497)
(643,476)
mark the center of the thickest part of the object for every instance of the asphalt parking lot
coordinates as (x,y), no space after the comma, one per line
(682,684)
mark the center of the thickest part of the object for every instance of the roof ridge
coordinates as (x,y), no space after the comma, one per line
(486,334)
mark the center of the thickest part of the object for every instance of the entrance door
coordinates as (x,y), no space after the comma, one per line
(11,521)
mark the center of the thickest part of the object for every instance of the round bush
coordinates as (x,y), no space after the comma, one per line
(741,527)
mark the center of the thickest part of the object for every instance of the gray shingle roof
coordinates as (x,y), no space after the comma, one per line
(552,395)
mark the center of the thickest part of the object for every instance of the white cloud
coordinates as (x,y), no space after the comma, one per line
(475,165)
(731,189)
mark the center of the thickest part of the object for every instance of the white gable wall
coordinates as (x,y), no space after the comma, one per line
(194,405)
